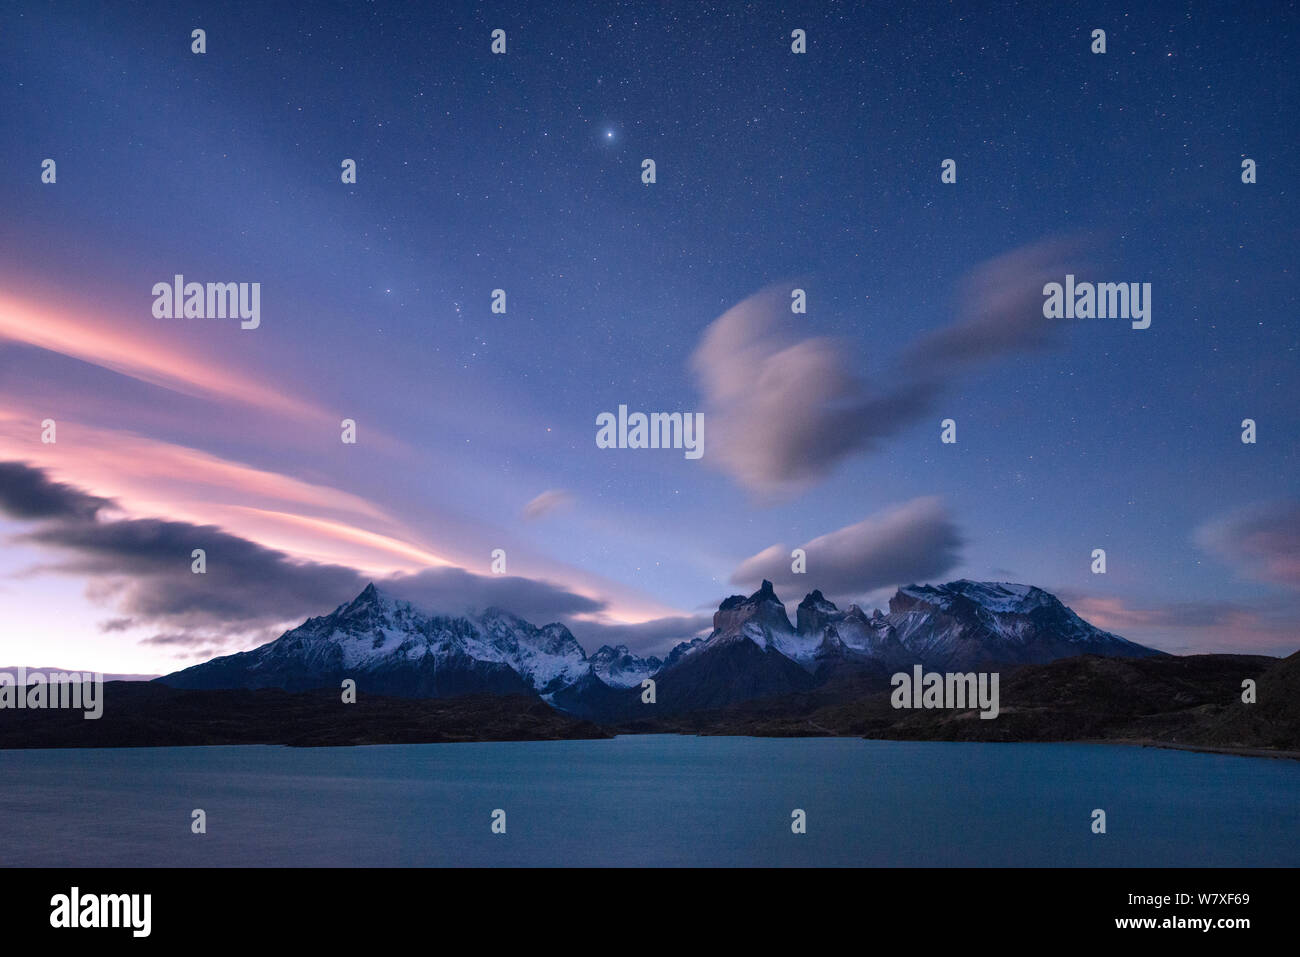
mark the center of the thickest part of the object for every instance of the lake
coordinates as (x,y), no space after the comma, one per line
(649,800)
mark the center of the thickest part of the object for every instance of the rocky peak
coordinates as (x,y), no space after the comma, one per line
(762,607)
(366,606)
(815,613)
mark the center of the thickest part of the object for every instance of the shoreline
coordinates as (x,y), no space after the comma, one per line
(1279,755)
(1241,752)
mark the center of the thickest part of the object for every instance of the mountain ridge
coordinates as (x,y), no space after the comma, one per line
(391,647)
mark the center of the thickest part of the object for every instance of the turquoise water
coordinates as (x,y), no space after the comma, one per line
(649,800)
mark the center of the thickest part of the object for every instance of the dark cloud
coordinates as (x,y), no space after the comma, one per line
(245,583)
(173,639)
(27,492)
(143,568)
(456,591)
(915,541)
(656,637)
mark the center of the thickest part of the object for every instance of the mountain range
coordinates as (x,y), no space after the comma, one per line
(389,647)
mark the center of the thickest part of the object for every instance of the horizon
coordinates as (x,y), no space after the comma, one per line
(799,285)
(659,653)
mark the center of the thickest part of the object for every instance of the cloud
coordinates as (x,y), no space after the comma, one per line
(655,637)
(1000,310)
(915,541)
(142,567)
(143,476)
(1265,627)
(28,493)
(138,354)
(1116,614)
(1262,541)
(455,591)
(552,500)
(146,565)
(784,411)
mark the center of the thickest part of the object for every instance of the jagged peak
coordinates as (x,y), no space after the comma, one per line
(366,598)
(381,632)
(497,613)
(764,593)
(815,597)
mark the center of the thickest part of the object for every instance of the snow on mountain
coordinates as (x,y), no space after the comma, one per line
(1000,597)
(620,668)
(550,657)
(682,649)
(404,651)
(961,624)
(965,623)
(741,659)
(391,647)
(758,618)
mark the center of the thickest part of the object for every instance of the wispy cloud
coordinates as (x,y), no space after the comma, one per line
(1194,627)
(999,310)
(784,411)
(1262,541)
(145,358)
(552,500)
(145,476)
(914,541)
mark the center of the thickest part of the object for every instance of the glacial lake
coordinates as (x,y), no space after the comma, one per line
(649,800)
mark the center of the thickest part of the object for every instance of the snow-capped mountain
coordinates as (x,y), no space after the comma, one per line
(751,653)
(964,624)
(681,649)
(754,650)
(960,624)
(390,647)
(620,668)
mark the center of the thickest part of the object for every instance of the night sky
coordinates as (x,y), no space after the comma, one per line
(774,171)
